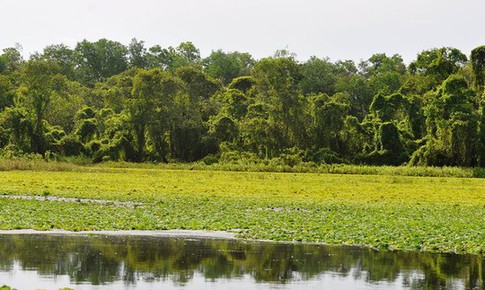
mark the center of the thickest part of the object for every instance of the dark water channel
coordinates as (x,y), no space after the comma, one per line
(142,262)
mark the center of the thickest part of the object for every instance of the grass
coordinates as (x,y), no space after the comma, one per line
(79,164)
(438,214)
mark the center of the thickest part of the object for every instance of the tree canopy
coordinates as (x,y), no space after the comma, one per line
(104,100)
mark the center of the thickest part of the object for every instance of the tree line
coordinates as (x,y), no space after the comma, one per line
(107,101)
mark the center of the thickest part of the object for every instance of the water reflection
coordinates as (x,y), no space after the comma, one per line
(104,260)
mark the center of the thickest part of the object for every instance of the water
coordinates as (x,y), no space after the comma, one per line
(143,262)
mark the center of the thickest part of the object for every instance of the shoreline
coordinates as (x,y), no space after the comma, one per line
(156,233)
(203,234)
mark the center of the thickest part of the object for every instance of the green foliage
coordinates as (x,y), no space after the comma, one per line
(244,84)
(438,64)
(385,74)
(99,60)
(452,123)
(137,54)
(41,80)
(198,85)
(328,114)
(477,60)
(11,60)
(86,129)
(70,145)
(324,156)
(63,56)
(278,80)
(318,77)
(380,211)
(391,148)
(224,128)
(6,92)
(210,159)
(228,66)
(108,101)
(18,127)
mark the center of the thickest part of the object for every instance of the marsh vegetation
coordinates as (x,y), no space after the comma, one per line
(442,214)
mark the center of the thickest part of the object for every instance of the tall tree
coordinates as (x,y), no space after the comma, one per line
(318,76)
(41,80)
(99,60)
(6,92)
(328,114)
(437,64)
(150,108)
(11,60)
(137,54)
(186,54)
(227,66)
(278,86)
(452,126)
(477,59)
(64,56)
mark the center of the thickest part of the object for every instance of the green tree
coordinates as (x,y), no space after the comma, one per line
(40,81)
(189,52)
(244,84)
(227,66)
(11,60)
(116,90)
(380,63)
(452,126)
(278,86)
(318,76)
(224,128)
(187,130)
(234,103)
(356,86)
(390,146)
(328,115)
(199,86)
(384,74)
(150,108)
(116,137)
(437,64)
(171,58)
(477,60)
(17,127)
(260,135)
(481,145)
(62,107)
(6,92)
(64,56)
(137,54)
(99,60)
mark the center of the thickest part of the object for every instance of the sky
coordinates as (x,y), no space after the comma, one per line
(338,29)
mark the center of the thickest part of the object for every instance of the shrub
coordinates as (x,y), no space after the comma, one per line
(210,159)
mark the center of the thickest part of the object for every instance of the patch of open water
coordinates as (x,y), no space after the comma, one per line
(107,261)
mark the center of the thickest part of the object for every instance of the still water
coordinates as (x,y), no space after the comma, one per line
(144,262)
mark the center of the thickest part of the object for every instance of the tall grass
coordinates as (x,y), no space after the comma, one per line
(352,169)
(37,164)
(9,164)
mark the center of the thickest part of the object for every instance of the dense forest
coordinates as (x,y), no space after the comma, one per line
(107,101)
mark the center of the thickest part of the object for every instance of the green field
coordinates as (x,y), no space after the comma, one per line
(382,211)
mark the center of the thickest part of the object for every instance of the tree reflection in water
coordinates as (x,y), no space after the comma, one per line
(104,259)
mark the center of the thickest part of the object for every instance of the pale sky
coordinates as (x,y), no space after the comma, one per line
(338,29)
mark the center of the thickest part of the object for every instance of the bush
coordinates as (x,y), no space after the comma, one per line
(70,146)
(210,159)
(324,156)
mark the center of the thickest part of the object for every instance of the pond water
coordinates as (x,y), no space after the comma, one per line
(146,262)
